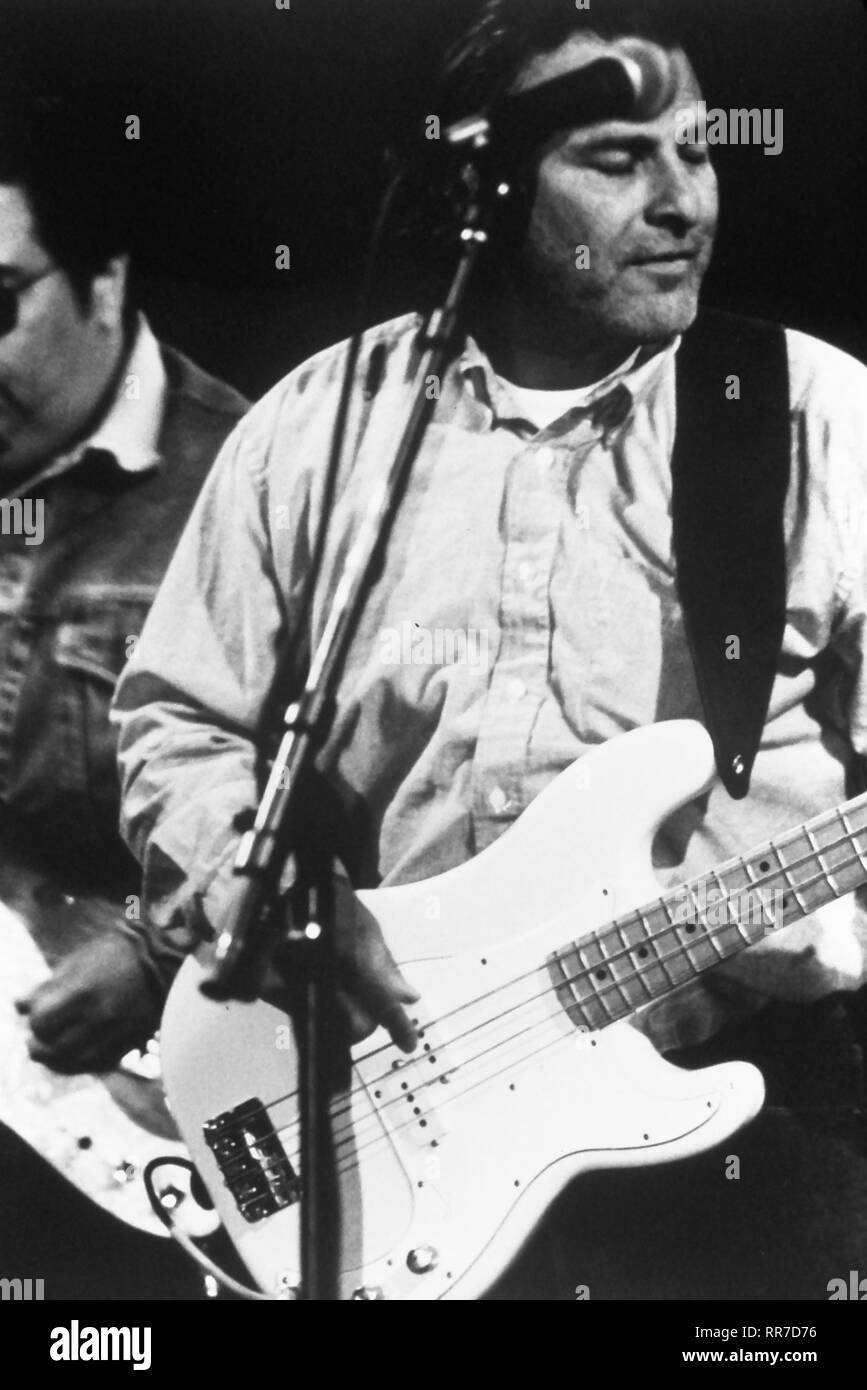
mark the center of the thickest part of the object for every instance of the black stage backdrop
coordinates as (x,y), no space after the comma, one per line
(263,127)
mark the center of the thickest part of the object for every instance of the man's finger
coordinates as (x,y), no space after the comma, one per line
(400,1026)
(359,1021)
(49,1022)
(68,1062)
(75,1052)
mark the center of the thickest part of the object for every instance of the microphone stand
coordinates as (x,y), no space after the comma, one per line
(278,828)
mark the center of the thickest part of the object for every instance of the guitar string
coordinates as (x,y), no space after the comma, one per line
(379,1138)
(483,1081)
(343,1168)
(661,960)
(456,1095)
(348,1138)
(640,914)
(625,951)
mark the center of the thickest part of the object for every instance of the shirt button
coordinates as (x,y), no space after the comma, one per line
(526,573)
(545,457)
(498,801)
(516,689)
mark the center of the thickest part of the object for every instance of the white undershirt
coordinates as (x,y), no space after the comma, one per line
(542,408)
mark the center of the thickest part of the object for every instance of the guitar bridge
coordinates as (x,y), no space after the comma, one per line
(251,1160)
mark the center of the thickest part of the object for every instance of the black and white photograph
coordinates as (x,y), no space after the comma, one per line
(433,701)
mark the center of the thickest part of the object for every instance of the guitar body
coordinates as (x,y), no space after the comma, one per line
(97,1131)
(448,1158)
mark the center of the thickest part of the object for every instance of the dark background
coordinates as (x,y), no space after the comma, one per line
(263,127)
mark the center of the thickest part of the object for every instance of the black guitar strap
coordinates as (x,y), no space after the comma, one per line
(730,476)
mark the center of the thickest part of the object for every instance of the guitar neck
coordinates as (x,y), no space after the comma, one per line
(648,953)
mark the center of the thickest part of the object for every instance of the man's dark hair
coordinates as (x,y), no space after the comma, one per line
(506,34)
(68,159)
(502,37)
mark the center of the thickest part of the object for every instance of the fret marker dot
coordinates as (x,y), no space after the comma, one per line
(764,866)
(643,953)
(601,974)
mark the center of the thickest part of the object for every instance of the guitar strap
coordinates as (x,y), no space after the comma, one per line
(730,476)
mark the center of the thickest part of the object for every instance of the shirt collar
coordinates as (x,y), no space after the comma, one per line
(638,373)
(129,429)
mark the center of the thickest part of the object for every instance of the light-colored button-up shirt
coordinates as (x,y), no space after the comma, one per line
(526,614)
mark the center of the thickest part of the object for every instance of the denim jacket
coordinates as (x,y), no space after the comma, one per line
(71,608)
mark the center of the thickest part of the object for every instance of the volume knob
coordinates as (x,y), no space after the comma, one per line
(422,1259)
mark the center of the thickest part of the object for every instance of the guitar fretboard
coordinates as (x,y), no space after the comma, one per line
(650,952)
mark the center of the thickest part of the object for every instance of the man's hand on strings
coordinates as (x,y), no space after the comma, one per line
(370,989)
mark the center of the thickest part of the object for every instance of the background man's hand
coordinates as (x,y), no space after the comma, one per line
(98,1004)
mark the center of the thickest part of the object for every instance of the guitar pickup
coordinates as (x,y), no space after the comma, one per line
(252,1161)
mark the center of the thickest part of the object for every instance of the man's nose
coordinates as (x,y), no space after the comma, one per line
(675,195)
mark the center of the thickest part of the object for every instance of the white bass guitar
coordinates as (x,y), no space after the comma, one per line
(531,961)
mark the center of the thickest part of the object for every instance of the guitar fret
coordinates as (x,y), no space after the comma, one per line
(791,885)
(626,950)
(773,888)
(753,883)
(852,835)
(655,979)
(670,959)
(735,922)
(605,973)
(691,932)
(712,938)
(706,936)
(824,861)
(590,969)
(817,850)
(659,958)
(568,981)
(651,951)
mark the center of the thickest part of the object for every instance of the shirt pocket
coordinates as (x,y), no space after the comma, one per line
(611,619)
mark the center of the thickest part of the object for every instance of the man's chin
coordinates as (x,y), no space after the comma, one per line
(660,316)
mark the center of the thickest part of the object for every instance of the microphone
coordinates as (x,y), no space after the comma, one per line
(636,84)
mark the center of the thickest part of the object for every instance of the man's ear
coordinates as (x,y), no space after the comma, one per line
(108,294)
